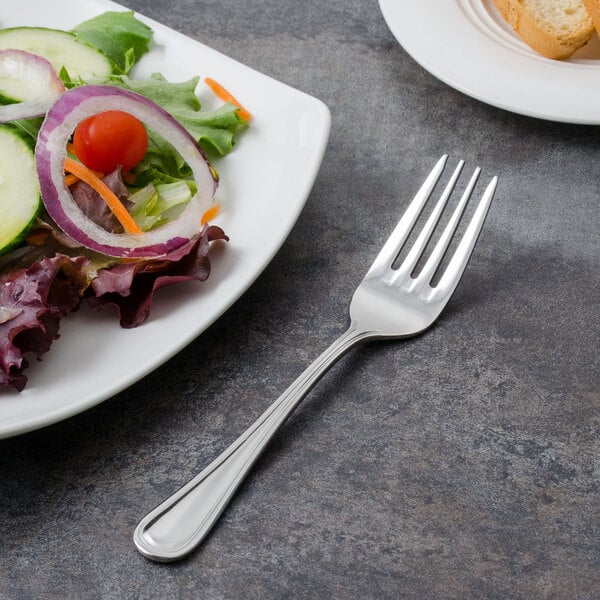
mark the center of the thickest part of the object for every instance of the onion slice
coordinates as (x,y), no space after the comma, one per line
(31,81)
(73,107)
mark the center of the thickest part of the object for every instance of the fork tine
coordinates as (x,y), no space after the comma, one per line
(398,237)
(409,263)
(434,260)
(462,254)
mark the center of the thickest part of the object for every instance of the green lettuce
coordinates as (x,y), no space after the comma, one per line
(124,39)
(214,130)
(120,36)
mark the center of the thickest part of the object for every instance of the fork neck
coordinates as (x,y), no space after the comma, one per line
(351,337)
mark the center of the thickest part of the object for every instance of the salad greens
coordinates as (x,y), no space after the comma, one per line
(215,130)
(121,37)
(124,40)
(49,275)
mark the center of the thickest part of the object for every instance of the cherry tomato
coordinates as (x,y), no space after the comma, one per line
(110,139)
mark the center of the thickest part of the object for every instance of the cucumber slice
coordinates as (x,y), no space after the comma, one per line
(20,198)
(60,48)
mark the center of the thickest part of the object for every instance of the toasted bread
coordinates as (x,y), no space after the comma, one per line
(593,8)
(554,28)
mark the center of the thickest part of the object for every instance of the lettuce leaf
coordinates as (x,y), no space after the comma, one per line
(129,287)
(120,36)
(214,130)
(33,300)
(35,297)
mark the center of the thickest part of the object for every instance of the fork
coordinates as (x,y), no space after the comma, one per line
(389,303)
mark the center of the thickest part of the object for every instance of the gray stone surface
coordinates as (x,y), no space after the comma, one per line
(461,464)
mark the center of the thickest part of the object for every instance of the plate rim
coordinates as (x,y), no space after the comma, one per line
(542,101)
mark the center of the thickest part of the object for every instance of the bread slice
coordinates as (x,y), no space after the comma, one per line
(554,28)
(593,8)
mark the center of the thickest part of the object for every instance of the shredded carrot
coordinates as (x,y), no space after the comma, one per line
(226,96)
(210,214)
(70,179)
(120,212)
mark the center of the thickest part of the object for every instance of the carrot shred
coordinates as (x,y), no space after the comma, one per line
(210,214)
(120,212)
(70,179)
(226,96)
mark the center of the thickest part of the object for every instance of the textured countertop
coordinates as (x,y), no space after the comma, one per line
(464,463)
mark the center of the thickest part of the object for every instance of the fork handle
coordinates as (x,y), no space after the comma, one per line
(175,527)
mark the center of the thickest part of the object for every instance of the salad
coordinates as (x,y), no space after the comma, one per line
(107,183)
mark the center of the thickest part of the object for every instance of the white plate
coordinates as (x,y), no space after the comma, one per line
(265,182)
(467,44)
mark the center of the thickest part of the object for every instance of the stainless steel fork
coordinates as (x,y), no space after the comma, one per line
(390,302)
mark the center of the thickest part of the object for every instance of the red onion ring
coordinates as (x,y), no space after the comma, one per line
(76,105)
(39,78)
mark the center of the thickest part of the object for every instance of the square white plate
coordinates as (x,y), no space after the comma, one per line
(264,185)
